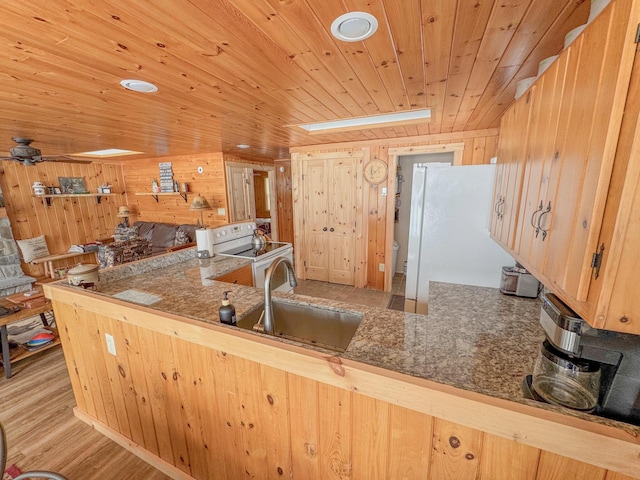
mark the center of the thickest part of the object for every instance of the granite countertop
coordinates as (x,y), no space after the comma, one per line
(473,338)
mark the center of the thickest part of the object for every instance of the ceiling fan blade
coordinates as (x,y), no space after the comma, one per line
(66,159)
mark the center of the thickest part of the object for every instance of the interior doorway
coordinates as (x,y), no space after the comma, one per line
(404,188)
(454,149)
(251,192)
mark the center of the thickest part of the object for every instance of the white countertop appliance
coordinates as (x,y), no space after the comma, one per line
(236,240)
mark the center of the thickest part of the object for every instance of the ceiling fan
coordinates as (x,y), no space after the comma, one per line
(28,156)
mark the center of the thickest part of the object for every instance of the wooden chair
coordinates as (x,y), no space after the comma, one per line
(26,475)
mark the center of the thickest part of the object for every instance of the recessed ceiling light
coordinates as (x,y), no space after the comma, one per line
(372,121)
(243,146)
(107,152)
(139,86)
(354,26)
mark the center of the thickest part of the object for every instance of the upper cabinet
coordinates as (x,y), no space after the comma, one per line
(570,148)
(514,131)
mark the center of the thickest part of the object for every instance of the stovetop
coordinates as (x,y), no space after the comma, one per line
(247,251)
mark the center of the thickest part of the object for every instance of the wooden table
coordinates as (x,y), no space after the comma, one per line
(20,353)
(48,261)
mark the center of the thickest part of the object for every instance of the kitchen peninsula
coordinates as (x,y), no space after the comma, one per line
(413,396)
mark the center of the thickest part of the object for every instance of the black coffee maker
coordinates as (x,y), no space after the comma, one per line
(571,344)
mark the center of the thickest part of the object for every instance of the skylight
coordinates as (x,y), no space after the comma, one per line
(107,152)
(373,121)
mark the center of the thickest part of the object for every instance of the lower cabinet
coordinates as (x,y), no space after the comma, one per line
(241,276)
(218,406)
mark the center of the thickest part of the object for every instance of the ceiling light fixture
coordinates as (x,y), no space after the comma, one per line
(372,121)
(354,26)
(107,152)
(243,146)
(139,86)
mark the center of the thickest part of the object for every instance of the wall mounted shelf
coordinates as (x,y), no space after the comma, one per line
(159,194)
(98,196)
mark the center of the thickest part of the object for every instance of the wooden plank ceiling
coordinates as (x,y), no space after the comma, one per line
(235,72)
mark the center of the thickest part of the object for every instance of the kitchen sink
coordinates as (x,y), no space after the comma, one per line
(308,324)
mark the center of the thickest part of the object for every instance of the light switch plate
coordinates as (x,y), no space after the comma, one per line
(221,211)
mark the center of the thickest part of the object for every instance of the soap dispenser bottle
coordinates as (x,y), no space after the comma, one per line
(227,311)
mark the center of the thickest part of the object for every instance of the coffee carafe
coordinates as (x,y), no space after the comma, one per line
(587,362)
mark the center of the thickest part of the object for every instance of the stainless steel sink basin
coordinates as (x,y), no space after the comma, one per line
(308,324)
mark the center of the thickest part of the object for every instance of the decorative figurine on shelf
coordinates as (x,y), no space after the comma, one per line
(155,188)
(124,212)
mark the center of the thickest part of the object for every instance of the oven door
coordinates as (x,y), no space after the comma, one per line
(280,280)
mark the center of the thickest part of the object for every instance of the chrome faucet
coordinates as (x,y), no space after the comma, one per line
(268,308)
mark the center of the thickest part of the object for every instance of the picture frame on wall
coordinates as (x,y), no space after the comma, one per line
(72,185)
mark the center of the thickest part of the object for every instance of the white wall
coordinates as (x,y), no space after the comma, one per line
(401,232)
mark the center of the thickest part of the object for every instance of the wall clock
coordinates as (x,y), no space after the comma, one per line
(375,171)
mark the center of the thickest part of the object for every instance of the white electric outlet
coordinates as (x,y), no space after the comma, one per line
(383,191)
(381,267)
(111,344)
(221,211)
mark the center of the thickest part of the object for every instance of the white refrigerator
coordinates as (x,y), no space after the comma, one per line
(449,231)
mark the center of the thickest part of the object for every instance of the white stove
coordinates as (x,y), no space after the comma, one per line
(235,241)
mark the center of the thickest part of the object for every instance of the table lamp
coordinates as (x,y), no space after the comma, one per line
(124,212)
(200,203)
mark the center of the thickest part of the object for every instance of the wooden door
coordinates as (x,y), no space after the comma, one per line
(329,188)
(342,220)
(315,219)
(240,188)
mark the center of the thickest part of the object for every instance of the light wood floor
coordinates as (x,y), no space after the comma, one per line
(42,433)
(344,293)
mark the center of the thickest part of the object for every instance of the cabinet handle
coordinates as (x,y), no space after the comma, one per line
(500,210)
(544,232)
(533,216)
(324,229)
(331,229)
(495,207)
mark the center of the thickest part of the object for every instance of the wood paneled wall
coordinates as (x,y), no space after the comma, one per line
(479,147)
(210,414)
(69,220)
(284,194)
(211,184)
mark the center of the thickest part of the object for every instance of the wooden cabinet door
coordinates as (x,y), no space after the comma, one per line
(575,121)
(329,210)
(531,240)
(514,130)
(592,110)
(241,276)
